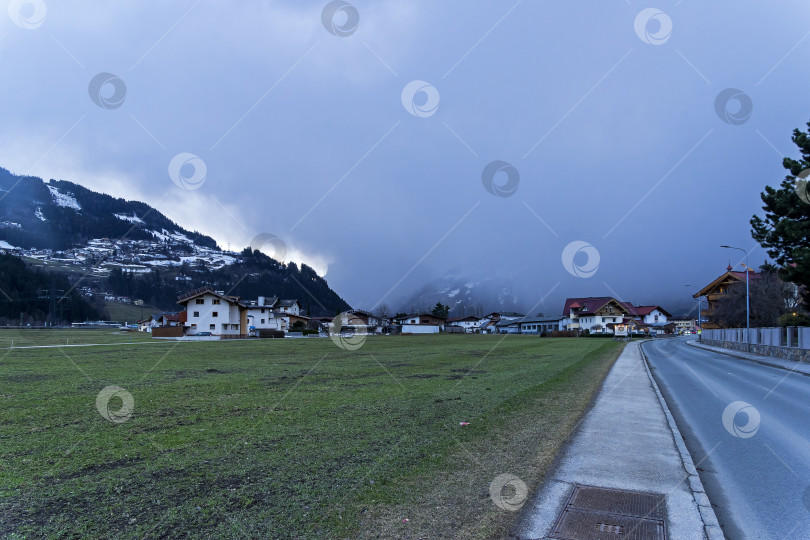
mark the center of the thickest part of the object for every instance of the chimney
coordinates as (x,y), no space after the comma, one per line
(261,300)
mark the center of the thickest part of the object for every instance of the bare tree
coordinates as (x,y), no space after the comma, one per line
(770,297)
(383,311)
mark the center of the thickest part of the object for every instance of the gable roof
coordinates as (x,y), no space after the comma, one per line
(460,319)
(646,310)
(730,274)
(592,304)
(287,303)
(184,299)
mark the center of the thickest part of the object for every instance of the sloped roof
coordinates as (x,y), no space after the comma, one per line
(185,298)
(646,310)
(735,276)
(287,302)
(467,318)
(590,304)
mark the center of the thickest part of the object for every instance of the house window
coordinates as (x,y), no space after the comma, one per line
(656,318)
(212,326)
(194,326)
(200,301)
(262,314)
(216,301)
(215,314)
(196,314)
(224,326)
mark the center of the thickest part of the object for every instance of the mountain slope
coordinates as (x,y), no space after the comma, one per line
(60,214)
(109,246)
(464,295)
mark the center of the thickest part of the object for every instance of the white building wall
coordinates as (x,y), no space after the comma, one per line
(420,328)
(227,314)
(271,322)
(650,317)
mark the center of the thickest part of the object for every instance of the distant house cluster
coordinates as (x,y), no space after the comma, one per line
(592,314)
(209,312)
(102,255)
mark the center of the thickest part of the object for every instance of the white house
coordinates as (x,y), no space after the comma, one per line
(469,323)
(291,307)
(593,313)
(213,311)
(601,314)
(421,323)
(652,314)
(261,316)
(487,323)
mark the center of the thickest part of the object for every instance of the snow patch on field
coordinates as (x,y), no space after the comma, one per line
(65,200)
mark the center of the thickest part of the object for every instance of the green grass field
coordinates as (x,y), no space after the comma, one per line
(69,336)
(129,313)
(285,438)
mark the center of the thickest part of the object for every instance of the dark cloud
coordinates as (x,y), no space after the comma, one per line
(364,150)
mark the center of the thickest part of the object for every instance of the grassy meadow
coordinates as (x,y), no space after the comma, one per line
(293,438)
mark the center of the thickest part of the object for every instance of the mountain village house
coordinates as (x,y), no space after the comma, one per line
(421,323)
(602,314)
(719,289)
(210,312)
(469,323)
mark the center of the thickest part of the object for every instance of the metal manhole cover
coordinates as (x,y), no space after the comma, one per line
(593,513)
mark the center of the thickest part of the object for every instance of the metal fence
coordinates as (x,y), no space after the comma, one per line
(797,337)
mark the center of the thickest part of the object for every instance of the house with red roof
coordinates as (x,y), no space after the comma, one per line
(593,313)
(602,313)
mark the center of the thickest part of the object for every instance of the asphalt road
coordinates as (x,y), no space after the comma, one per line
(755,467)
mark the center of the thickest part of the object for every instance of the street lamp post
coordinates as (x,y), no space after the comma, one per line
(698,302)
(747,300)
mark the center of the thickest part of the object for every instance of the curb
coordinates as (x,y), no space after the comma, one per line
(710,524)
(731,352)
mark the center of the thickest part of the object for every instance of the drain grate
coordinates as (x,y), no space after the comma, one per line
(593,513)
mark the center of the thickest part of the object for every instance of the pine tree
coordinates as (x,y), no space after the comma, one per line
(785,230)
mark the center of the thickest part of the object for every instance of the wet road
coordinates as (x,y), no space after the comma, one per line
(747,427)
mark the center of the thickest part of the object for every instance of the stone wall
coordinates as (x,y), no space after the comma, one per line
(788,353)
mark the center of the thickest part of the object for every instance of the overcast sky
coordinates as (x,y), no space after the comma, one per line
(359,133)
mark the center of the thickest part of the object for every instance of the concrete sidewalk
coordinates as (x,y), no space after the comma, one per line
(773,361)
(628,440)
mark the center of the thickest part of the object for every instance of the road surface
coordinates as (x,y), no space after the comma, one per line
(755,464)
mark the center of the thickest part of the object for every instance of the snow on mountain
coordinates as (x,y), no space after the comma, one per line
(64,199)
(39,215)
(132,219)
(463,295)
